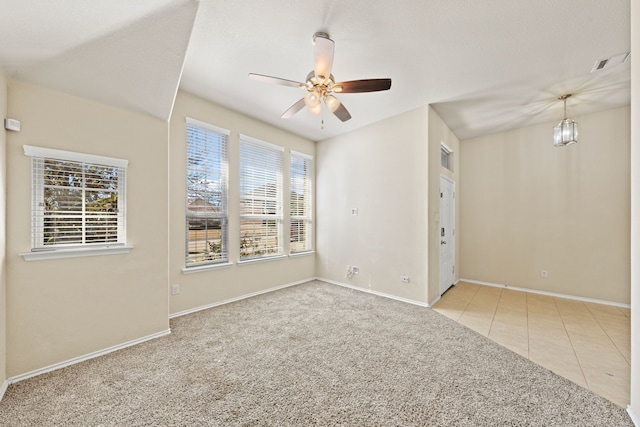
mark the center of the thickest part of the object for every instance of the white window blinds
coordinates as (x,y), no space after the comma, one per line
(301,174)
(260,198)
(207,186)
(77,199)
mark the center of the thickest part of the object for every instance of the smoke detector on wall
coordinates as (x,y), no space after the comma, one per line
(607,63)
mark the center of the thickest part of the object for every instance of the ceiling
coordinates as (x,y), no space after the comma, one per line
(485,66)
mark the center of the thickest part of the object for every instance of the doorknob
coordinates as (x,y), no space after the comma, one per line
(442,242)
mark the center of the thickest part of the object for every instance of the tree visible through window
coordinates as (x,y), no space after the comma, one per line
(301,197)
(78,199)
(207,181)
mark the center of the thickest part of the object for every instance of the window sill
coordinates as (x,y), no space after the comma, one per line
(74,253)
(258,260)
(303,253)
(208,267)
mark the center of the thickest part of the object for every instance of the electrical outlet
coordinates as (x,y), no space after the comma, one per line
(175,289)
(354,211)
(544,273)
(355,270)
(404,279)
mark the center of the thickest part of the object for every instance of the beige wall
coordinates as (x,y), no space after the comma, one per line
(382,171)
(212,286)
(526,206)
(635,209)
(439,133)
(3,211)
(65,308)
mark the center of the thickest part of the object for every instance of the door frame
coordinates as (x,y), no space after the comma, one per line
(453,227)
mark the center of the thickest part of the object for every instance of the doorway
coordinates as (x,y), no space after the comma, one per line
(447,233)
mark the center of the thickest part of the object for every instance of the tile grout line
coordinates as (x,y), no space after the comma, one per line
(495,310)
(573,348)
(468,304)
(608,336)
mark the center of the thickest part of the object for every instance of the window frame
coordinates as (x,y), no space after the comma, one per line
(307,217)
(223,214)
(277,216)
(446,156)
(40,250)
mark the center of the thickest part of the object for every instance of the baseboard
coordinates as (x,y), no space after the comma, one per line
(238,298)
(432,303)
(551,294)
(3,389)
(79,359)
(371,291)
(632,415)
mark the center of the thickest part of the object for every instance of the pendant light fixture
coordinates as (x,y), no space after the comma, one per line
(565,132)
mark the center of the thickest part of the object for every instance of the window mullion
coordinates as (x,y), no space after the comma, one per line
(84,199)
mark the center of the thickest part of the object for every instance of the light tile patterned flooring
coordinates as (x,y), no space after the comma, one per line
(590,344)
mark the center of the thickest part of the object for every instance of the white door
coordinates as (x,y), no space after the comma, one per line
(447,233)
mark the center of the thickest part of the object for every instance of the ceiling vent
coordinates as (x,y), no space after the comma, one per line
(603,64)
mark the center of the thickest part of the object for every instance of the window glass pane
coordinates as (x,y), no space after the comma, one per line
(204,240)
(445,158)
(77,203)
(62,229)
(259,238)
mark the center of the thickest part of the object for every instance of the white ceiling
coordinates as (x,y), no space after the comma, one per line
(485,66)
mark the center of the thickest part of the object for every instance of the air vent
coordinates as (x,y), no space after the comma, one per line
(607,63)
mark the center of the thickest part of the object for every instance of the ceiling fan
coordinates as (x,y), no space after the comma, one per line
(321,85)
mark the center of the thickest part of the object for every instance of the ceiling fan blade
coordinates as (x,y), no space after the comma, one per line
(293,109)
(342,113)
(275,80)
(323,55)
(366,85)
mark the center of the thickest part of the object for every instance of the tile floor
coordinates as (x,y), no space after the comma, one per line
(590,344)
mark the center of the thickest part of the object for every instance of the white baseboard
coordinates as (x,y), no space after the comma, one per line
(3,389)
(371,291)
(551,294)
(238,298)
(79,359)
(632,415)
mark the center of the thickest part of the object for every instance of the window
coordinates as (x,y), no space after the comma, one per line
(260,198)
(445,157)
(301,228)
(78,200)
(207,185)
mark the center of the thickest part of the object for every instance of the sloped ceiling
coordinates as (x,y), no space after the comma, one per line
(485,66)
(122,53)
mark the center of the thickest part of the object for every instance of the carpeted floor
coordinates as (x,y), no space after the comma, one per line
(313,354)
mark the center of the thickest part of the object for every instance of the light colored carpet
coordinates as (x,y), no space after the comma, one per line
(313,354)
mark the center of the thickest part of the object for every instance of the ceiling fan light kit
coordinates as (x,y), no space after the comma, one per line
(321,85)
(565,132)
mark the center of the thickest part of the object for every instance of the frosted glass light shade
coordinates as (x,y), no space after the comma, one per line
(316,109)
(332,103)
(312,99)
(565,133)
